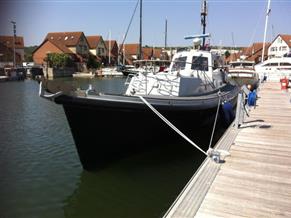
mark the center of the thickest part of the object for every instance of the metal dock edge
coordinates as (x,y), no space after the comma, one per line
(191,197)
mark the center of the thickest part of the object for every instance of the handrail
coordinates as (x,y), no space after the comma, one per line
(50,97)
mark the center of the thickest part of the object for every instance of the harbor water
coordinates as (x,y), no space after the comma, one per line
(41,175)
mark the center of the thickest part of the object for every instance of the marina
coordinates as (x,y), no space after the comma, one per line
(111,109)
(254,180)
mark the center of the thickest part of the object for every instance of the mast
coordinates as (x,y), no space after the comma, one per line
(14,40)
(109,52)
(266,26)
(166,33)
(203,19)
(140,32)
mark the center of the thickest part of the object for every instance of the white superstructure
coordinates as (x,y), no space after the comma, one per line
(275,68)
(191,72)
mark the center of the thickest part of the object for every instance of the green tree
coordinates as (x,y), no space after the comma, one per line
(59,60)
(227,54)
(92,63)
(28,53)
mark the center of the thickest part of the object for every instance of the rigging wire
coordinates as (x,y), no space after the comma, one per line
(129,25)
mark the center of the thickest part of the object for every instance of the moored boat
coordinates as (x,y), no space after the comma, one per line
(275,69)
(243,73)
(105,127)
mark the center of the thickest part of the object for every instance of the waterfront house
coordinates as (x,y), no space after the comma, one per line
(112,48)
(129,52)
(71,43)
(252,53)
(280,46)
(160,54)
(97,48)
(7,50)
(147,53)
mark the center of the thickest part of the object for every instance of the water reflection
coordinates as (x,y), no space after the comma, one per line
(143,185)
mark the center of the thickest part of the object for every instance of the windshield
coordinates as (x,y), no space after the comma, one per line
(241,64)
(199,63)
(179,63)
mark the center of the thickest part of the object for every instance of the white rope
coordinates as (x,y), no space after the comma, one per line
(216,116)
(171,125)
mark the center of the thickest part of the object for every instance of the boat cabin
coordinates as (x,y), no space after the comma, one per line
(242,64)
(194,62)
(191,73)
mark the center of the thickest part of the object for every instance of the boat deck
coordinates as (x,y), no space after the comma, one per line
(255,181)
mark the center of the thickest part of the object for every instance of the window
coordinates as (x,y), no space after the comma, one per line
(179,64)
(199,63)
(285,64)
(284,48)
(273,64)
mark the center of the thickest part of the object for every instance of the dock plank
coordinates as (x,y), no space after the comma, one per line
(255,181)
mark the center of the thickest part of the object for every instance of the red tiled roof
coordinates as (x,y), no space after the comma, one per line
(287,39)
(93,41)
(61,46)
(233,57)
(157,53)
(131,49)
(8,41)
(68,39)
(147,53)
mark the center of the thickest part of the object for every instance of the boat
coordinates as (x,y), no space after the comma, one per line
(126,69)
(243,73)
(141,66)
(274,69)
(107,127)
(110,71)
(89,75)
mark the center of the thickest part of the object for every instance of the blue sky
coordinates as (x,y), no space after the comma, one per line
(244,19)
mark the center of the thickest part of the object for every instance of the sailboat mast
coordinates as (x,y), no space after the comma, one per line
(109,52)
(166,33)
(140,31)
(266,26)
(203,19)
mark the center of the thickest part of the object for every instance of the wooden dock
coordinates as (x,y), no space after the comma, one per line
(255,181)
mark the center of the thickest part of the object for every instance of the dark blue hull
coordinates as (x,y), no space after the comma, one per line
(107,128)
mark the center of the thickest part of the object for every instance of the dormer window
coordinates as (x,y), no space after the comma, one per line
(66,38)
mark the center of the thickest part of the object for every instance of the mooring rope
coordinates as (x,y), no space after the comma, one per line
(216,117)
(171,125)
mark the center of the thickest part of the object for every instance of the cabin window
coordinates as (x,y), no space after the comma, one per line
(273,64)
(179,64)
(199,63)
(285,64)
